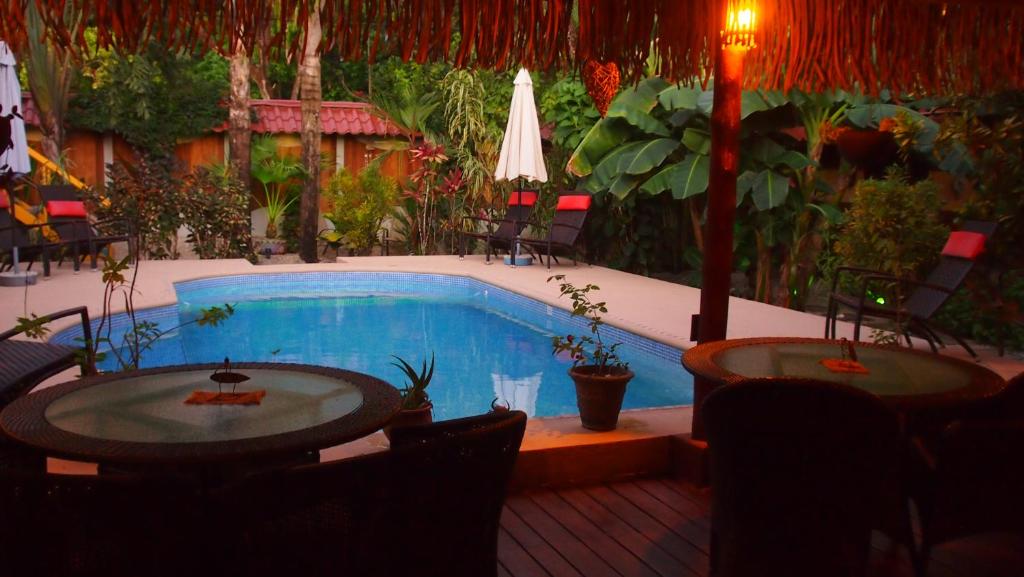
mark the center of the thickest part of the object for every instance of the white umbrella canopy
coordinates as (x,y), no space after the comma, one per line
(521,155)
(13,153)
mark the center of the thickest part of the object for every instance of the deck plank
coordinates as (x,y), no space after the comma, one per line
(514,559)
(632,540)
(581,559)
(658,528)
(603,545)
(687,527)
(536,545)
(682,505)
(690,555)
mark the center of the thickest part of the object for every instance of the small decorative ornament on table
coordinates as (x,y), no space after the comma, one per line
(600,385)
(223,376)
(848,363)
(602,82)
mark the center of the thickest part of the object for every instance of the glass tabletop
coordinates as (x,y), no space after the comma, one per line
(152,409)
(891,373)
(908,380)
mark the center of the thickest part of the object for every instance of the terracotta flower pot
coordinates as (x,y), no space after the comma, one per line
(423,415)
(599,397)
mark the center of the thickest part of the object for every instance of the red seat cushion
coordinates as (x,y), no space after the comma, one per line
(573,202)
(68,208)
(4,203)
(964,244)
(524,198)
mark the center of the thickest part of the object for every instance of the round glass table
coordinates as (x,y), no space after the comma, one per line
(140,417)
(906,379)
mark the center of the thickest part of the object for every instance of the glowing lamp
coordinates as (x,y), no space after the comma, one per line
(740,24)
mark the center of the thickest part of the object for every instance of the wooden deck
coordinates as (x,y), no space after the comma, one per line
(660,527)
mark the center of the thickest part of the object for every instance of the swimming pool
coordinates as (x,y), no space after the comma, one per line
(489,342)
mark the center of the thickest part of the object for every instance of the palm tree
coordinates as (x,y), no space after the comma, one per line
(309,89)
(50,72)
(239,125)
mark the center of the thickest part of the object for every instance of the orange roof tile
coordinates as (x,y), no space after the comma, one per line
(285,116)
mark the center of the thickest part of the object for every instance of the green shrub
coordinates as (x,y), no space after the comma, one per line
(147,194)
(216,212)
(358,206)
(892,226)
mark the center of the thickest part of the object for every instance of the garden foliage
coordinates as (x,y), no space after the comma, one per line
(358,205)
(216,212)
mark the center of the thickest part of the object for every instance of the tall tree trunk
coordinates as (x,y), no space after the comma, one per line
(309,79)
(240,130)
(259,68)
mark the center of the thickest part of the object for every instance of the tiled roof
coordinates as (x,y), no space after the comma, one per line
(285,116)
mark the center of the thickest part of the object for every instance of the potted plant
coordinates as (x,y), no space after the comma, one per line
(598,372)
(416,407)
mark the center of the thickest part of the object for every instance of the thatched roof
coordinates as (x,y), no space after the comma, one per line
(966,46)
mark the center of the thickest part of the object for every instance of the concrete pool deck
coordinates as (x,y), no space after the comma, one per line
(652,308)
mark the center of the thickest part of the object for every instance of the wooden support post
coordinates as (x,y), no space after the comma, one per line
(725,158)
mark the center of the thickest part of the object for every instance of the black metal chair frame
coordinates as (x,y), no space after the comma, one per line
(505,234)
(922,302)
(28,251)
(82,234)
(548,244)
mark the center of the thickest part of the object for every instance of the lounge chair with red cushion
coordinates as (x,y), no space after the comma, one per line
(564,229)
(68,216)
(14,234)
(498,234)
(924,298)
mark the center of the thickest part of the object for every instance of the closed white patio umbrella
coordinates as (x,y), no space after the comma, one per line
(14,157)
(521,155)
(13,148)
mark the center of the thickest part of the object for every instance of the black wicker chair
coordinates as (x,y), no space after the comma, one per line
(499,234)
(430,506)
(801,472)
(67,215)
(927,296)
(24,364)
(969,482)
(564,229)
(89,525)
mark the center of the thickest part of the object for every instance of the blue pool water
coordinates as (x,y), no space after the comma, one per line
(488,342)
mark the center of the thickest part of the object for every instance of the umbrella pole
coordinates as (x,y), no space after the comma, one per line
(514,251)
(15,265)
(15,277)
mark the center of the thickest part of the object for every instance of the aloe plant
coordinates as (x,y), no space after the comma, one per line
(414,395)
